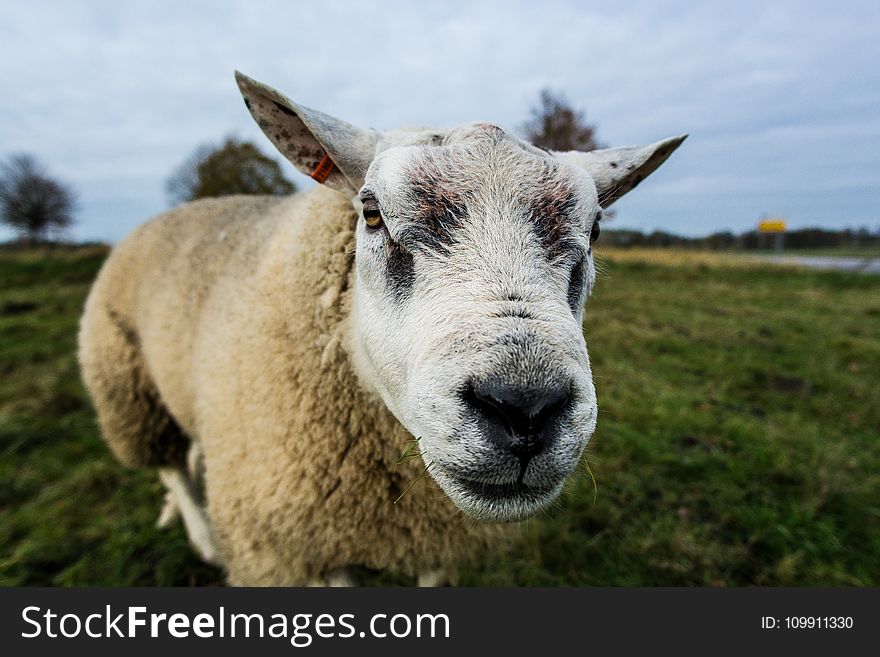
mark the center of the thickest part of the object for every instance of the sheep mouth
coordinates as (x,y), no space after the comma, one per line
(507,502)
(512,489)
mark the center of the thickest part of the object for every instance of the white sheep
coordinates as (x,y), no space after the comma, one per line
(426,300)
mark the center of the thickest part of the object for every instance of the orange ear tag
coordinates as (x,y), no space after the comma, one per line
(324,169)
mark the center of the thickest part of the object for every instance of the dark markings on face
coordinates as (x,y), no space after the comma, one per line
(576,283)
(399,265)
(438,209)
(552,212)
(400,270)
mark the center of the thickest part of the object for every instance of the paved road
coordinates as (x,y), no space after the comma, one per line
(862,265)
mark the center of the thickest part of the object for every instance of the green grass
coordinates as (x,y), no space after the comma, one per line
(69,513)
(737,442)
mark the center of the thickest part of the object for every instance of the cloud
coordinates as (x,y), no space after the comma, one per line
(780,98)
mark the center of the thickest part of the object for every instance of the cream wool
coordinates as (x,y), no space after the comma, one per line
(248,354)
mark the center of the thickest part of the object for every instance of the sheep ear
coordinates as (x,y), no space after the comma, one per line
(329,150)
(618,170)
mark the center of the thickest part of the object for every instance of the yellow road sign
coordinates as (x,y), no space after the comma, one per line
(771,226)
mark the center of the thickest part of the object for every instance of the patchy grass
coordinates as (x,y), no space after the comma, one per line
(737,442)
(673,257)
(69,513)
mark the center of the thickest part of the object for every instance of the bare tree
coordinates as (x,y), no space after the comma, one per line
(34,204)
(555,125)
(234,167)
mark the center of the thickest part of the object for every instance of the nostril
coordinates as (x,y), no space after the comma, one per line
(494,410)
(517,415)
(552,404)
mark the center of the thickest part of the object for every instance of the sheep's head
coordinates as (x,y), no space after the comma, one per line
(473,264)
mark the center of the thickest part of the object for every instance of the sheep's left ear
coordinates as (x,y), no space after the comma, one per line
(329,150)
(618,170)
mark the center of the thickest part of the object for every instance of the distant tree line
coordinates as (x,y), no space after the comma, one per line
(805,238)
(39,207)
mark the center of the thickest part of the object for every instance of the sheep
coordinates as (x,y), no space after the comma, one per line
(381,372)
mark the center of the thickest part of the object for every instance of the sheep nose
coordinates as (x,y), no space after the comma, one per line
(518,419)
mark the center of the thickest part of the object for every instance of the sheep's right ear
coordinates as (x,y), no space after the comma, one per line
(331,151)
(617,170)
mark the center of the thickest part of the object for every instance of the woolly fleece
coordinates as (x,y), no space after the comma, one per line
(226,321)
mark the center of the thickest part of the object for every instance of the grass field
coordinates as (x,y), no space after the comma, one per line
(738,441)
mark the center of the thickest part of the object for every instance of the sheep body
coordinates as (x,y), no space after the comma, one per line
(227,322)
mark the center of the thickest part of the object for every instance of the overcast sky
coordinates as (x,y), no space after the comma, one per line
(782,100)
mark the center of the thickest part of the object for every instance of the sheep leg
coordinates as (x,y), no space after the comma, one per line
(434,578)
(198,528)
(339,578)
(195,462)
(169,512)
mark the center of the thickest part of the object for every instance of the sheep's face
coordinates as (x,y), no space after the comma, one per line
(473,263)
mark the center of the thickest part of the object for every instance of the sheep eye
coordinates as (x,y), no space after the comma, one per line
(595,230)
(372,213)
